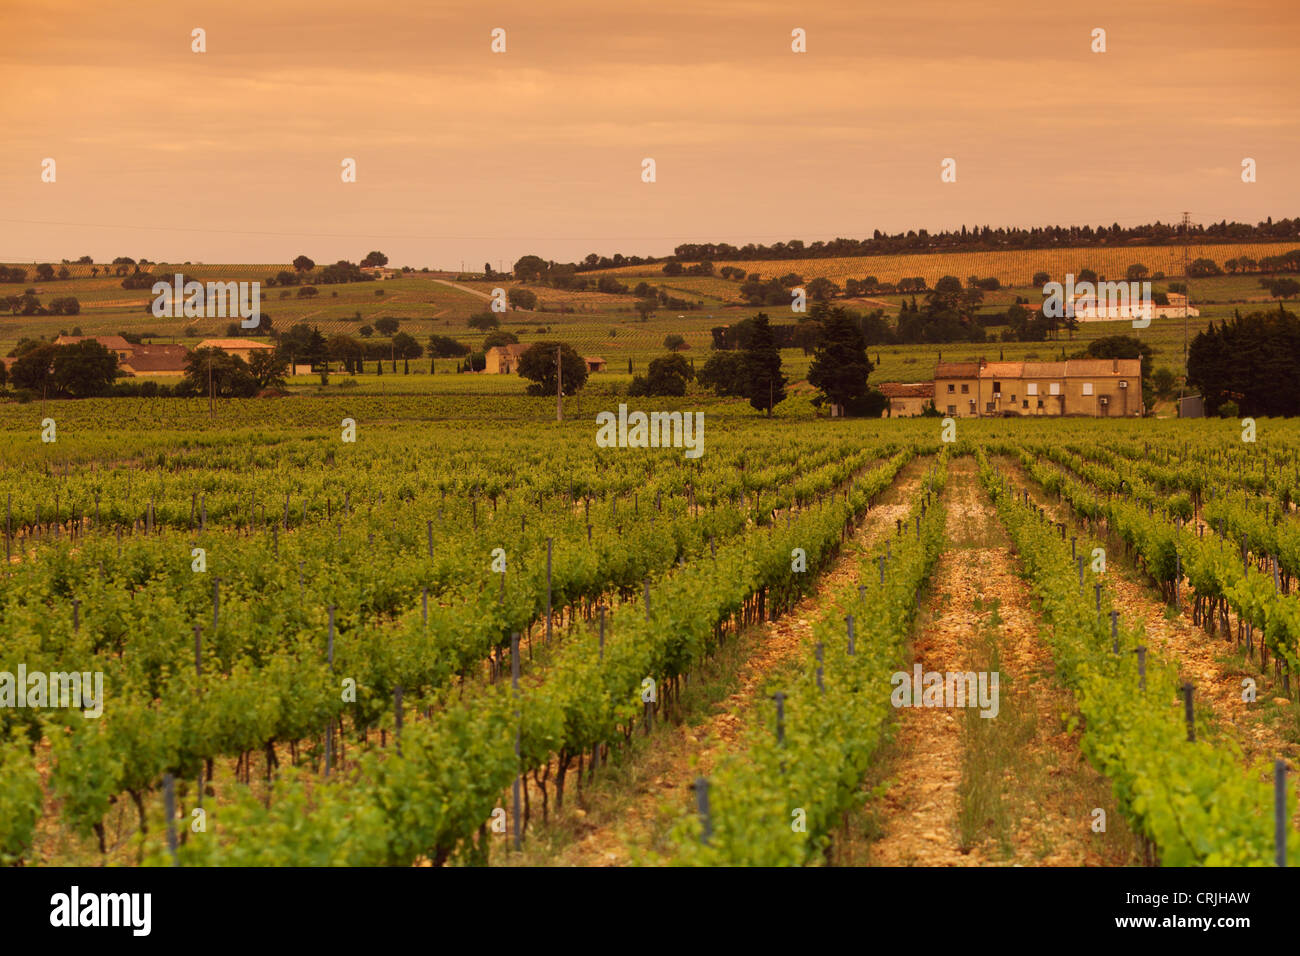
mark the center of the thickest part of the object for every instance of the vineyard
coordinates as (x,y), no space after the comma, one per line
(1011,268)
(469,641)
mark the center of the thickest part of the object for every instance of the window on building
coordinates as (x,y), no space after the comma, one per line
(997,388)
(952,409)
(1055,388)
(1025,403)
(1013,399)
(1040,403)
(951,388)
(1087,388)
(1031,388)
(965,389)
(988,407)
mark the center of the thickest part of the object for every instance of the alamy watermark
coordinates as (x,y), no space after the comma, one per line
(216,300)
(74,690)
(656,430)
(1099,300)
(953,689)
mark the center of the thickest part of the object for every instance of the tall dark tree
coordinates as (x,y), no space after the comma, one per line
(763,378)
(1253,361)
(840,365)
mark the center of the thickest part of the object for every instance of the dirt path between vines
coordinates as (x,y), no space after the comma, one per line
(616,827)
(1265,729)
(965,790)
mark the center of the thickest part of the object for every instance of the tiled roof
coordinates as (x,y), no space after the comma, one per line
(233,344)
(1130,368)
(158,358)
(1043,370)
(113,342)
(907,389)
(1002,370)
(957,370)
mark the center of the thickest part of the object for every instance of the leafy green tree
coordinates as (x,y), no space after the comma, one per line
(387,325)
(406,347)
(345,349)
(483,321)
(522,299)
(531,268)
(34,367)
(374,259)
(667,375)
(646,307)
(444,346)
(1041,279)
(269,370)
(674,342)
(822,289)
(1136,272)
(537,364)
(840,366)
(1163,382)
(302,344)
(229,375)
(303,264)
(499,337)
(45,272)
(724,373)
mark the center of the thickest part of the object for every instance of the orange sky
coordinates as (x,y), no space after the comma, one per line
(234,155)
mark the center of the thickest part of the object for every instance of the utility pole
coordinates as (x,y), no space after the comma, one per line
(559,387)
(1187,301)
(212,407)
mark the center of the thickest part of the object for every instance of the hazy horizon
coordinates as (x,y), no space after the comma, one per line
(234,155)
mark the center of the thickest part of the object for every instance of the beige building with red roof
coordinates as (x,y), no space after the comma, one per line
(114,343)
(503,359)
(163,360)
(1100,388)
(907,398)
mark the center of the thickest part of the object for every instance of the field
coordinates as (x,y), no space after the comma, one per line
(1013,267)
(307,643)
(607,325)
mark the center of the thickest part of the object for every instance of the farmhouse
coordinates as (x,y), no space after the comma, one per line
(244,348)
(1099,308)
(1100,388)
(378,272)
(114,343)
(956,388)
(503,359)
(169,360)
(594,363)
(907,398)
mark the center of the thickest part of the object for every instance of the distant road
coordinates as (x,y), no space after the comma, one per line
(464,288)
